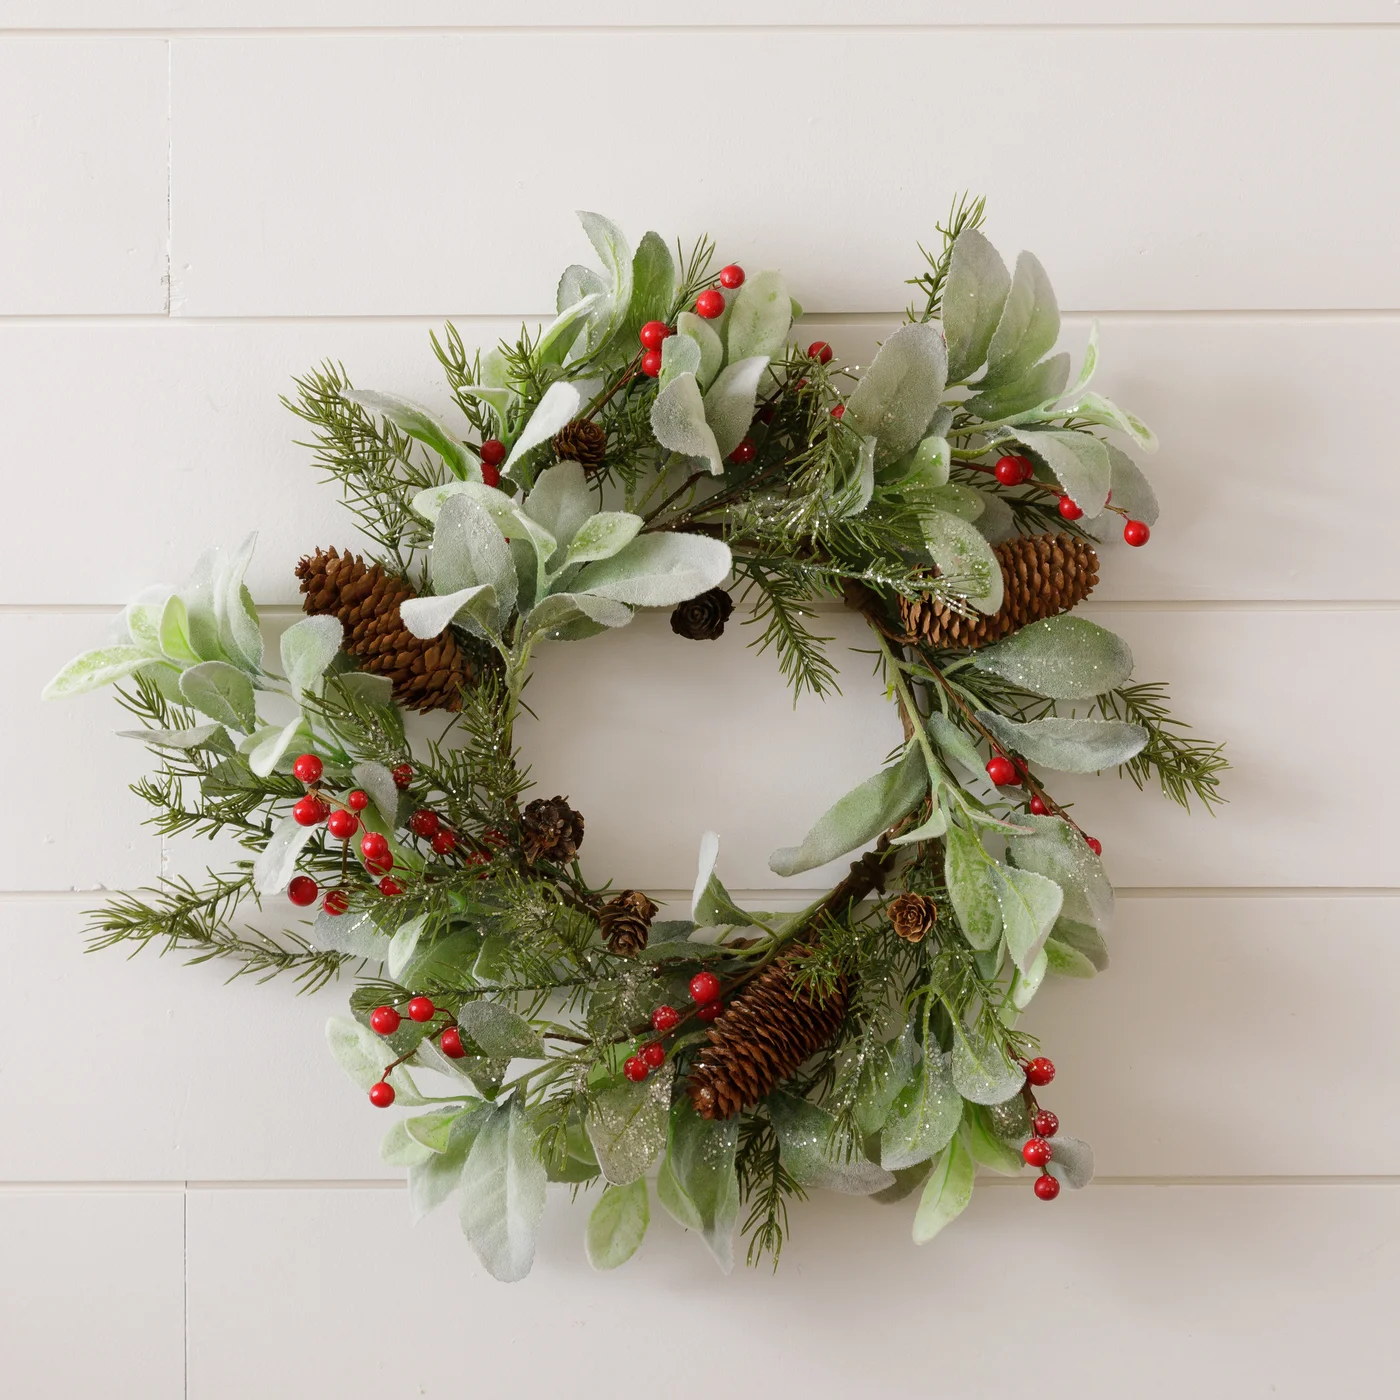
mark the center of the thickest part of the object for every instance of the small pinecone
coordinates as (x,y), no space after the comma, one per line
(1043,575)
(702,619)
(626,921)
(762,1038)
(551,830)
(583,442)
(427,675)
(912,915)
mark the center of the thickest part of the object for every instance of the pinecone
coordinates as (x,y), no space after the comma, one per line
(702,619)
(762,1038)
(551,830)
(583,442)
(912,915)
(1043,574)
(625,921)
(427,675)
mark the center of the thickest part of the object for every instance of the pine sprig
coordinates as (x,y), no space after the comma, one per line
(1184,766)
(765,1186)
(965,214)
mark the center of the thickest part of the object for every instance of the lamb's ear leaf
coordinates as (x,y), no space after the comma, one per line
(658,571)
(617,1224)
(277,861)
(308,648)
(95,668)
(1041,383)
(602,535)
(615,253)
(962,553)
(1064,657)
(759,315)
(469,549)
(1028,326)
(559,405)
(898,395)
(1068,745)
(239,631)
(1078,461)
(947,1192)
(860,816)
(806,1135)
(419,423)
(679,355)
(557,338)
(729,404)
(428,617)
(503,1192)
(221,691)
(679,424)
(1132,491)
(653,284)
(699,330)
(973,298)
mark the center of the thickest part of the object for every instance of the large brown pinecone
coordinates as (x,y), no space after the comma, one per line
(551,830)
(626,922)
(762,1038)
(1043,575)
(583,442)
(427,675)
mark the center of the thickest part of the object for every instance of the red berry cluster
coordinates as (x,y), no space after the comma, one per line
(705,990)
(493,453)
(1015,470)
(1037,1150)
(385,1020)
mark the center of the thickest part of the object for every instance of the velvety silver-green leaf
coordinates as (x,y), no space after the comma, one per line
(419,423)
(556,339)
(997,522)
(398,1149)
(559,405)
(805,1138)
(223,692)
(1068,745)
(1055,849)
(929,830)
(955,742)
(173,738)
(501,1032)
(653,284)
(1078,461)
(308,648)
(1132,491)
(364,688)
(1025,982)
(1094,408)
(973,297)
(1040,383)
(729,404)
(378,781)
(276,863)
(924,1115)
(883,1077)
(618,1223)
(1028,326)
(680,354)
(985,1147)
(898,395)
(563,610)
(760,313)
(142,614)
(971,888)
(201,618)
(503,1193)
(1072,1162)
(926,467)
(266,747)
(364,1057)
(698,1183)
(1030,904)
(404,944)
(433,1180)
(575,283)
(981,1072)
(965,557)
(627,1125)
(615,253)
(1084,938)
(860,816)
(699,330)
(239,633)
(469,549)
(1065,961)
(966,502)
(602,535)
(1064,657)
(946,1194)
(679,424)
(428,617)
(95,668)
(658,571)
(175,632)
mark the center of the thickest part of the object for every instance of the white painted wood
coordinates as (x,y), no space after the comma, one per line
(574,14)
(83,170)
(1173,1063)
(92,1295)
(182,442)
(1214,1291)
(294,160)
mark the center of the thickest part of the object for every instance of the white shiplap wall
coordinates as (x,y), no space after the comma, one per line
(199,199)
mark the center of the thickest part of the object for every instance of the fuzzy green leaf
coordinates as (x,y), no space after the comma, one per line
(276,863)
(679,355)
(503,1193)
(1132,491)
(898,395)
(223,692)
(560,613)
(1030,904)
(981,1071)
(618,1223)
(1072,1163)
(986,1147)
(729,404)
(973,891)
(883,1077)
(947,1193)
(559,405)
(1078,461)
(679,424)
(308,648)
(501,1032)
(364,1057)
(1065,961)
(973,297)
(470,550)
(419,423)
(805,1136)
(698,1184)
(964,555)
(924,1116)
(1040,384)
(602,535)
(1056,850)
(615,253)
(1068,745)
(658,571)
(1064,657)
(627,1125)
(93,669)
(1028,326)
(1084,938)
(653,284)
(759,316)
(699,330)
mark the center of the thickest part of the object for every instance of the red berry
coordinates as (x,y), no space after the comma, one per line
(653,1054)
(492,837)
(1045,1123)
(451,1043)
(651,363)
(490,476)
(1038,807)
(1009,470)
(390,886)
(820,350)
(309,811)
(373,846)
(1002,771)
(704,986)
(382,866)
(767,413)
(476,858)
(493,452)
(444,843)
(308,768)
(1136,533)
(744,453)
(303,890)
(342,824)
(653,333)
(336,902)
(635,1069)
(421,1008)
(1046,1187)
(381,1095)
(1094,844)
(839,411)
(731,276)
(1040,1071)
(1027,469)
(710,304)
(1036,1152)
(357,800)
(424,822)
(384,1020)
(711,1011)
(402,776)
(665,1018)
(1068,509)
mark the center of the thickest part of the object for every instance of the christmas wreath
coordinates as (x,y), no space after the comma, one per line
(662,444)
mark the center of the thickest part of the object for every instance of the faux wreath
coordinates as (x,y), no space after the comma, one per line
(661,439)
